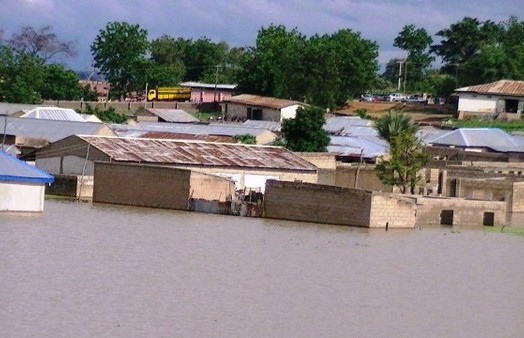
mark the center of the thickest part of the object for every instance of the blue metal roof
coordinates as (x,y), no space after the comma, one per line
(12,169)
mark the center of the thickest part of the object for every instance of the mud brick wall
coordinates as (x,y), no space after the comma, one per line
(394,210)
(316,203)
(465,212)
(141,185)
(517,204)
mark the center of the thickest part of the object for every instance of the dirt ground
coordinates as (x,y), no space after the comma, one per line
(431,113)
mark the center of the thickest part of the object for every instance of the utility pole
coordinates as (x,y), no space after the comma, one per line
(145,106)
(405,73)
(399,73)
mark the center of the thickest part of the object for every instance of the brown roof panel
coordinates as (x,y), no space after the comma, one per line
(197,153)
(502,87)
(261,101)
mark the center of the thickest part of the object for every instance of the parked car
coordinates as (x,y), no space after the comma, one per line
(368,97)
(416,98)
(397,97)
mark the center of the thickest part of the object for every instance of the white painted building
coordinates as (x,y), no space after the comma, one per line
(495,98)
(254,107)
(22,187)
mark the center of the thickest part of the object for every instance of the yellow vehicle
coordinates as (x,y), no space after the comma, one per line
(169,94)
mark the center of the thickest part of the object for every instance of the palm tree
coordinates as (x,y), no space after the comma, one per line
(393,124)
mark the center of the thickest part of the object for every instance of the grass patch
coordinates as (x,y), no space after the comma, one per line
(506,230)
(507,126)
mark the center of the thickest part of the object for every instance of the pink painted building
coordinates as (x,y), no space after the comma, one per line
(209,92)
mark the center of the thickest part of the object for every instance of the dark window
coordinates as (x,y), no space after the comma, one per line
(511,106)
(489,219)
(446,217)
(257,114)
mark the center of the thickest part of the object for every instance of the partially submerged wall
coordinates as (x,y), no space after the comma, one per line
(334,205)
(141,185)
(459,212)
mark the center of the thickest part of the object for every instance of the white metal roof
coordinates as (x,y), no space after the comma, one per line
(54,113)
(491,138)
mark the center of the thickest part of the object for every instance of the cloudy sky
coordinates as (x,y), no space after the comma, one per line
(238,21)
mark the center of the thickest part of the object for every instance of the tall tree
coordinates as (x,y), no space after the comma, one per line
(61,84)
(305,132)
(406,160)
(41,42)
(463,40)
(416,42)
(119,51)
(393,124)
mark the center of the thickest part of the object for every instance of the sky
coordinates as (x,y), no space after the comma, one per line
(237,22)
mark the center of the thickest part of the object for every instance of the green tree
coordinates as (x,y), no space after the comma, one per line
(245,139)
(406,160)
(61,84)
(110,115)
(119,51)
(416,42)
(393,124)
(305,132)
(21,76)
(461,42)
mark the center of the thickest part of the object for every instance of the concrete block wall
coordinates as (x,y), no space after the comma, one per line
(367,178)
(317,203)
(468,213)
(517,204)
(141,185)
(211,188)
(394,210)
(72,186)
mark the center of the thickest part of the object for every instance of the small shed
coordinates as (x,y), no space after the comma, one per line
(22,187)
(253,107)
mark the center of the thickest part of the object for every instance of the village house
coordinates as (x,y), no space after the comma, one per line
(28,133)
(499,99)
(249,166)
(209,92)
(22,187)
(253,107)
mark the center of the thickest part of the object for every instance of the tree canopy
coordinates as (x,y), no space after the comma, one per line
(406,154)
(305,132)
(119,51)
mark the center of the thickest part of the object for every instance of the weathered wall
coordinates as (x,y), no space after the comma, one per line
(234,110)
(316,203)
(141,185)
(517,204)
(394,211)
(72,186)
(367,178)
(21,196)
(128,108)
(210,188)
(465,212)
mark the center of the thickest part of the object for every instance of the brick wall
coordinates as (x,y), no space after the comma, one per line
(211,188)
(393,210)
(465,212)
(141,185)
(316,203)
(367,178)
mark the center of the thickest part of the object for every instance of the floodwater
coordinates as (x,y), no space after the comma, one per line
(92,270)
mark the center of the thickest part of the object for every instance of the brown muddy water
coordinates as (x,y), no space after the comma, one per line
(92,270)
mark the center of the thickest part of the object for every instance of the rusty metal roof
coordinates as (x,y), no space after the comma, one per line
(502,87)
(188,137)
(194,153)
(261,101)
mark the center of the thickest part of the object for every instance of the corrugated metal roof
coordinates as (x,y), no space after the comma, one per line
(12,169)
(54,113)
(174,115)
(175,152)
(51,130)
(341,124)
(188,137)
(426,134)
(261,101)
(352,146)
(502,87)
(224,129)
(268,125)
(208,85)
(491,138)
